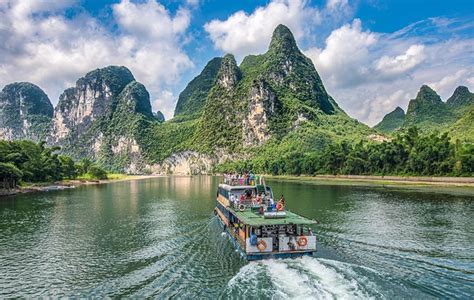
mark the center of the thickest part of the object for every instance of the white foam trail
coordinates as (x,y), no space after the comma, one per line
(290,283)
(363,281)
(304,278)
(335,282)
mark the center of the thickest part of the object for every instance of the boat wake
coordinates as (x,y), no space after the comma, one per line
(303,278)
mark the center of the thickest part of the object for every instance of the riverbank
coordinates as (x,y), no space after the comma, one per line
(384,180)
(70,184)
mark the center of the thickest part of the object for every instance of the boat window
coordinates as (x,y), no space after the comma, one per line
(224,192)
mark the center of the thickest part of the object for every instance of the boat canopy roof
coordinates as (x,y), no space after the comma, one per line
(251,218)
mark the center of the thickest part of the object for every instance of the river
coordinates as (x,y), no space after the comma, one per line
(159,238)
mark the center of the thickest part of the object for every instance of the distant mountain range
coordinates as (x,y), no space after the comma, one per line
(275,101)
(428,112)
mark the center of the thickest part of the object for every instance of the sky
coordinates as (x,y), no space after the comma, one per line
(372,55)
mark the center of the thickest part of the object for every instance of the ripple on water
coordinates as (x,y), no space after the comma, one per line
(156,238)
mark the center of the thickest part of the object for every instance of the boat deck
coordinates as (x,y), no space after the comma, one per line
(252,218)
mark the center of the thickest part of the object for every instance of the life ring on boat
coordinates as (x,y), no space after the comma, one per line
(241,207)
(261,245)
(280,207)
(302,241)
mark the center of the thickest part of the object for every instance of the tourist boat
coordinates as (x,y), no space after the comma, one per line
(257,228)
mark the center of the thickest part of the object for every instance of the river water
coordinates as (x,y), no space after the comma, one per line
(159,238)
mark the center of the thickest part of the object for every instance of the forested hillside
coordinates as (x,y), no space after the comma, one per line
(428,112)
(271,113)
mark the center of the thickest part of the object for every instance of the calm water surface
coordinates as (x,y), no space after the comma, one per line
(158,238)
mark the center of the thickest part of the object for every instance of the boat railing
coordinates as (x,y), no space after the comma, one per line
(240,181)
(242,204)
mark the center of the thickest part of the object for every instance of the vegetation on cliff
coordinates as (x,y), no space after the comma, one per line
(392,121)
(271,98)
(408,153)
(192,99)
(428,112)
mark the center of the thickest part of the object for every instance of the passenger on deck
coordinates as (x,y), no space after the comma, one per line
(242,198)
(248,194)
(291,243)
(233,199)
(282,200)
(281,204)
(259,198)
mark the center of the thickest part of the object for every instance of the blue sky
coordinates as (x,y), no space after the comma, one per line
(372,55)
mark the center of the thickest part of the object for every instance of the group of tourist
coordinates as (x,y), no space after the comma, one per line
(244,178)
(272,206)
(264,202)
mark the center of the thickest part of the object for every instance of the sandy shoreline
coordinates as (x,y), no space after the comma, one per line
(69,184)
(385,180)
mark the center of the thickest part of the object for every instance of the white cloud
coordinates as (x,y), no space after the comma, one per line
(370,73)
(445,84)
(470,81)
(162,101)
(192,2)
(337,4)
(41,45)
(401,63)
(382,104)
(345,59)
(242,34)
(150,20)
(338,9)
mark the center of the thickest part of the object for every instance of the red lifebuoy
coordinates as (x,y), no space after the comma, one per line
(261,245)
(279,207)
(302,241)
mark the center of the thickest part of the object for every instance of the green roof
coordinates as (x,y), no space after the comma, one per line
(252,218)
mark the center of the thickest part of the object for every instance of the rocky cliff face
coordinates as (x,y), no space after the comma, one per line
(261,106)
(102,118)
(93,97)
(229,74)
(268,95)
(25,112)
